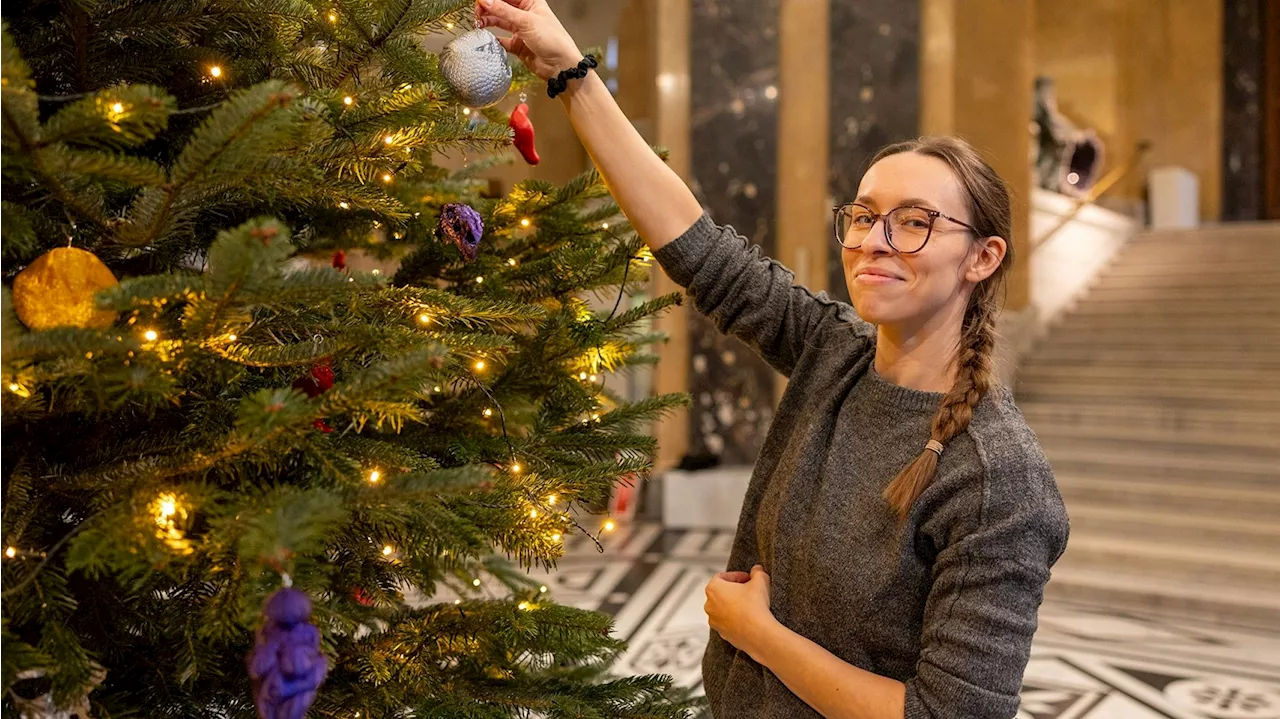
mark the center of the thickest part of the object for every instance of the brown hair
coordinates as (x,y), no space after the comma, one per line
(991,213)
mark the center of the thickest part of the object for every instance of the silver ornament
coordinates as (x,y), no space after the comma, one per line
(475,66)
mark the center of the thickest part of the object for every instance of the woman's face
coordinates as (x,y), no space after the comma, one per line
(937,279)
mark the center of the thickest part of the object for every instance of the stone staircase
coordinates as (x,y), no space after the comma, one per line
(1157,401)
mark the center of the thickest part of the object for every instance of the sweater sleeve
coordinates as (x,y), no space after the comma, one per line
(748,295)
(982,609)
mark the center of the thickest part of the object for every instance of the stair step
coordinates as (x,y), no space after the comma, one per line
(1231,312)
(1158,341)
(1131,437)
(1101,291)
(1206,279)
(1164,468)
(1139,492)
(1146,593)
(1149,416)
(1204,356)
(1212,533)
(1219,374)
(1195,565)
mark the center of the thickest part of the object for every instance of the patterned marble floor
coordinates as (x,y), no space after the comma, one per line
(1087,662)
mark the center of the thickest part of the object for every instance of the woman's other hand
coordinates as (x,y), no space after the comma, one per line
(738,607)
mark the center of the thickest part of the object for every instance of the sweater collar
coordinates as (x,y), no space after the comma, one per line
(882,390)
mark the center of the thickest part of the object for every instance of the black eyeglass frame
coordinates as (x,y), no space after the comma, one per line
(888,233)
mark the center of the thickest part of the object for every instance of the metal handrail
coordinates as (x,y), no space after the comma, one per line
(1101,186)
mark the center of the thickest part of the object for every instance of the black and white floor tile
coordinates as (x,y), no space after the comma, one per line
(1087,662)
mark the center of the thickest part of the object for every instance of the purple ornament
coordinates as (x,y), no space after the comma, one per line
(463,226)
(286,665)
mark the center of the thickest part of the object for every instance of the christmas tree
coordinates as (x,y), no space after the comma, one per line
(202,403)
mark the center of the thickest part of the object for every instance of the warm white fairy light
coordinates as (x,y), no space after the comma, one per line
(604,225)
(555,537)
(437,388)
(333,17)
(475,582)
(424,318)
(512,262)
(344,205)
(232,337)
(582,376)
(388,139)
(11,552)
(515,468)
(595,417)
(480,280)
(14,386)
(479,365)
(533,514)
(524,606)
(150,335)
(374,476)
(118,108)
(457,601)
(543,589)
(488,412)
(592,378)
(525,222)
(466,111)
(551,499)
(348,100)
(448,26)
(387,550)
(215,71)
(609,526)
(386,177)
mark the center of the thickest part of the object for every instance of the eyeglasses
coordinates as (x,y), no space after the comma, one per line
(907,228)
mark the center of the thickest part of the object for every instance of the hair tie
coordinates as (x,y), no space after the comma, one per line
(934,446)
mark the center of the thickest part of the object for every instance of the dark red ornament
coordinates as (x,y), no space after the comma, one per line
(339,260)
(321,425)
(319,380)
(523,128)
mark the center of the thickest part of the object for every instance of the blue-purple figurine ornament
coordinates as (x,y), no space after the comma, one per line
(286,664)
(463,226)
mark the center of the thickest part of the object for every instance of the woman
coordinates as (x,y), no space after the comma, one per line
(901,520)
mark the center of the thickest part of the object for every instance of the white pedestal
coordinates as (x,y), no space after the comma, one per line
(1175,198)
(706,499)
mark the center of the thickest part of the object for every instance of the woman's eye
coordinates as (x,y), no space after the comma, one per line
(917,224)
(863,220)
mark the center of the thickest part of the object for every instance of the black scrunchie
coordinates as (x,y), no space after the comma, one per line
(560,83)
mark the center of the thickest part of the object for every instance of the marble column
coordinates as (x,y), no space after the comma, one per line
(874,96)
(1242,87)
(733,74)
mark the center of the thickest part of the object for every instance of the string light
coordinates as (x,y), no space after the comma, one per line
(582,375)
(592,378)
(424,318)
(543,589)
(466,111)
(232,337)
(551,499)
(14,386)
(515,468)
(475,582)
(525,222)
(609,526)
(386,177)
(348,100)
(150,335)
(438,388)
(604,226)
(595,416)
(11,552)
(524,606)
(388,139)
(512,262)
(387,550)
(480,280)
(374,476)
(479,364)
(215,71)
(448,26)
(533,514)
(344,205)
(488,412)
(555,537)
(118,108)
(333,17)
(457,601)
(167,512)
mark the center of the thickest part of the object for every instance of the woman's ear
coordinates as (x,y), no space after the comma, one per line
(985,256)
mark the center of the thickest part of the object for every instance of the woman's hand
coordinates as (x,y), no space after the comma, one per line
(738,607)
(537,37)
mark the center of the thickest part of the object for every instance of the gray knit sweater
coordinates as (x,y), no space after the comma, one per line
(946,602)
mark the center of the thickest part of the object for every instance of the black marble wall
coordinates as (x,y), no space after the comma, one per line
(1242,87)
(875,95)
(734,119)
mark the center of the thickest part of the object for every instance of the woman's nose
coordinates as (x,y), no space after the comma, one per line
(877,239)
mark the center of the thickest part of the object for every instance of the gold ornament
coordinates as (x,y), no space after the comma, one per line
(58,290)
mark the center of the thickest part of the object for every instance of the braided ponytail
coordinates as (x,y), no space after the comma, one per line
(991,210)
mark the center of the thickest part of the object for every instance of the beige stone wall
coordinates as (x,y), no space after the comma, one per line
(1141,69)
